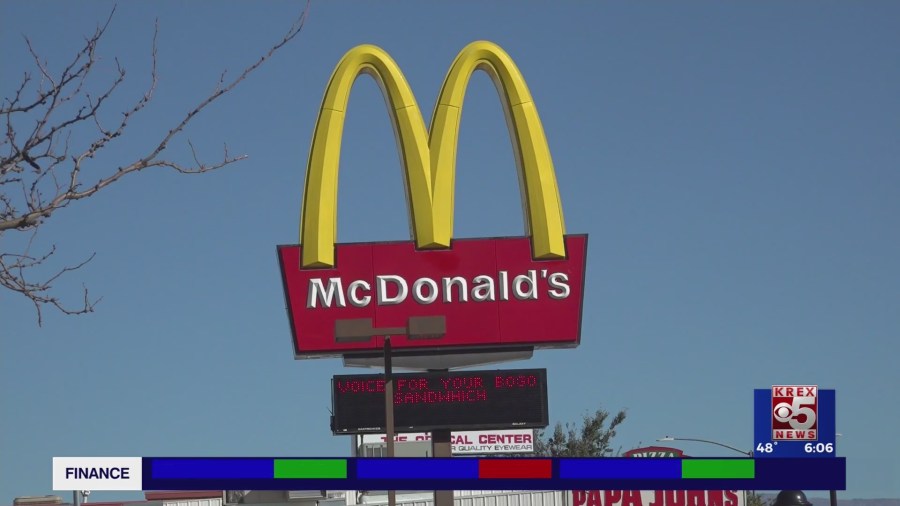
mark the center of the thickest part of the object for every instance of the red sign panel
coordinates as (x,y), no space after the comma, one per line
(481,293)
(795,412)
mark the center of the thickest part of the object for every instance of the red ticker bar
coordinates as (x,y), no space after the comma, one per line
(533,469)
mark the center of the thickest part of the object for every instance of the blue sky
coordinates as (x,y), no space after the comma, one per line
(736,165)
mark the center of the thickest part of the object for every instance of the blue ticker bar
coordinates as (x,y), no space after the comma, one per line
(436,469)
(632,468)
(211,468)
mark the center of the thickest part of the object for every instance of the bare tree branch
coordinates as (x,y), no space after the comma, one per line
(41,171)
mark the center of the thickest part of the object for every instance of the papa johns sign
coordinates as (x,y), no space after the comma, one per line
(658,498)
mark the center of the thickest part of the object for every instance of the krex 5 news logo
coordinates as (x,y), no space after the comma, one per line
(795,412)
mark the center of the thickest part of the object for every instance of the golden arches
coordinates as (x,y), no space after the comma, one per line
(429,157)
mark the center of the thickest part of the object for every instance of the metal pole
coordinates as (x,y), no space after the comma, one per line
(441,447)
(669,438)
(352,496)
(833,494)
(74,498)
(389,409)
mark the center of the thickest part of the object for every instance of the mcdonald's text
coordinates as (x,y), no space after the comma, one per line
(392,289)
(490,293)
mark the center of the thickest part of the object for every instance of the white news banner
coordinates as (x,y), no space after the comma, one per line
(97,473)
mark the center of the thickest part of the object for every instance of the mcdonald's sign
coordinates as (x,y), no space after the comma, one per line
(433,292)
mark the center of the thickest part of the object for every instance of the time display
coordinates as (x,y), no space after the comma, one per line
(818,448)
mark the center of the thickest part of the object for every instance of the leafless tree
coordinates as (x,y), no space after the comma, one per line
(43,168)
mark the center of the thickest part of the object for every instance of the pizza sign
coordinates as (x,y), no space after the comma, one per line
(655,451)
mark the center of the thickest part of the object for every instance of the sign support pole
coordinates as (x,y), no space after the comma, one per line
(389,410)
(441,448)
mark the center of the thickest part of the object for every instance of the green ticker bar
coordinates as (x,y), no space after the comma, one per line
(311,468)
(715,468)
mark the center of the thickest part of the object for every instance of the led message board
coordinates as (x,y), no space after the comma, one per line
(467,400)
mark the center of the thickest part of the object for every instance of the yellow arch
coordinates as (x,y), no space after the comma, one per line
(429,157)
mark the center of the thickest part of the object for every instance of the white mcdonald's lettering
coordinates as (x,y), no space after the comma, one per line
(352,293)
(392,289)
(318,292)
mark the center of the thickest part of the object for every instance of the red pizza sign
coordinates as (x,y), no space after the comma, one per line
(655,452)
(480,293)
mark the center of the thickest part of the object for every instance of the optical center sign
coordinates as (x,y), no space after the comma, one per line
(487,293)
(446,400)
(471,442)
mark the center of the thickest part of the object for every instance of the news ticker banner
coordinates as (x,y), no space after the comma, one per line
(273,473)
(794,421)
